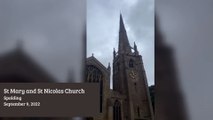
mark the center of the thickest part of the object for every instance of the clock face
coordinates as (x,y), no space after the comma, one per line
(133,75)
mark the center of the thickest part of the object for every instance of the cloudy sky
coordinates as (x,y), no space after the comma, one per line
(51,31)
(103,26)
(187,27)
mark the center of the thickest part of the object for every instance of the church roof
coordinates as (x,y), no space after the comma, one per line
(93,61)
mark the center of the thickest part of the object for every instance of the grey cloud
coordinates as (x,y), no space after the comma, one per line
(52,31)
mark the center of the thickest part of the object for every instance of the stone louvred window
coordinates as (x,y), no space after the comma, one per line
(131,63)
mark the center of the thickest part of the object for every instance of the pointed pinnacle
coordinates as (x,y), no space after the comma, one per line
(122,27)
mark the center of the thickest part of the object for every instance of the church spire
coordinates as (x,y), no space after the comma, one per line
(122,27)
(124,46)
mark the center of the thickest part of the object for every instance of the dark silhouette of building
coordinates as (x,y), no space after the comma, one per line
(130,98)
(18,66)
(169,102)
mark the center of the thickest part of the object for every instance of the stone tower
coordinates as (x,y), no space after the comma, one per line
(129,79)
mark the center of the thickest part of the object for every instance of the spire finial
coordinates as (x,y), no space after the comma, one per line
(122,27)
(114,53)
(109,67)
(109,64)
(135,49)
(92,54)
(135,46)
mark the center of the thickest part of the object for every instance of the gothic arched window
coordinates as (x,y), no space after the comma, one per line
(131,63)
(93,74)
(117,110)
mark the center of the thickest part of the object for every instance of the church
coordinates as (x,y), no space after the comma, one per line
(129,99)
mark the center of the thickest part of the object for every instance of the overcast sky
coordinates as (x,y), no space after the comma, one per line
(187,27)
(103,25)
(51,31)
